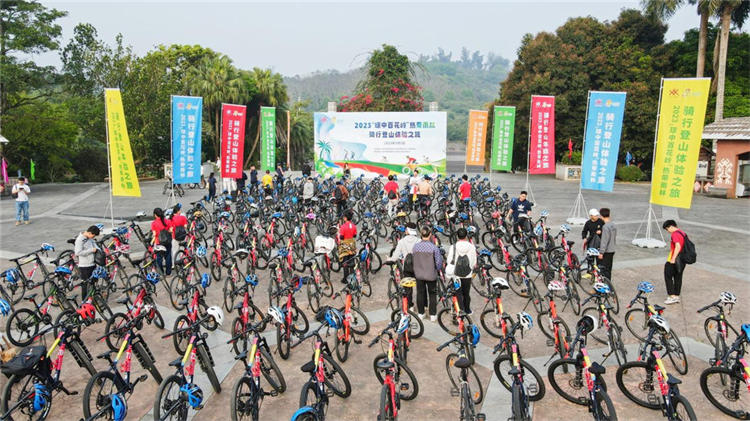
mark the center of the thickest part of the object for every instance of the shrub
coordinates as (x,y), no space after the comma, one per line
(629,173)
(574,160)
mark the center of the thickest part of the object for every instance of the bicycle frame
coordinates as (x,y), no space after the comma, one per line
(554,326)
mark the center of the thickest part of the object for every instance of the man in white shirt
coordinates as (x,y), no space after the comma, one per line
(21,192)
(463,248)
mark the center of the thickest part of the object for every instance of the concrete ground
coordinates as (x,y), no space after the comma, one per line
(718,227)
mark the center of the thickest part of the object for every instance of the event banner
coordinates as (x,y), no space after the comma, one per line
(232,140)
(187,114)
(382,143)
(542,135)
(475,137)
(678,140)
(267,138)
(124,179)
(602,142)
(503,127)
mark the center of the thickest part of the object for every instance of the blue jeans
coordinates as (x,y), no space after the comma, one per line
(22,208)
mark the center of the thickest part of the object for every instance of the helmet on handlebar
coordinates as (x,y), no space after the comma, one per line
(11,275)
(527,322)
(475,334)
(645,287)
(276,314)
(333,318)
(746,331)
(499,283)
(216,313)
(200,251)
(545,213)
(99,273)
(587,324)
(62,270)
(50,247)
(404,323)
(87,311)
(728,298)
(408,282)
(565,228)
(659,322)
(602,288)
(251,279)
(538,230)
(591,252)
(153,277)
(119,407)
(456,283)
(4,307)
(205,281)
(41,397)
(194,394)
(556,286)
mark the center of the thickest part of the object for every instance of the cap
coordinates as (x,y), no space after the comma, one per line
(593,212)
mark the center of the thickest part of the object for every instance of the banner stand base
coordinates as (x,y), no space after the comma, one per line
(577,214)
(647,241)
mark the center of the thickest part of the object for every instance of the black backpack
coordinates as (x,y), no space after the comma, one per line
(409,265)
(688,255)
(180,233)
(463,267)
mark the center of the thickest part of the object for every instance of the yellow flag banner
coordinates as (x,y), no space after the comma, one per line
(124,178)
(475,137)
(678,140)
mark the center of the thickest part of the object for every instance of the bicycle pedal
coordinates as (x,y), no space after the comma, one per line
(653,399)
(273,393)
(481,417)
(357,341)
(329,393)
(404,386)
(712,361)
(142,378)
(532,389)
(550,342)
(454,393)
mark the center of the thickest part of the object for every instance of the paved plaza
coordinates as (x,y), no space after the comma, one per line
(720,229)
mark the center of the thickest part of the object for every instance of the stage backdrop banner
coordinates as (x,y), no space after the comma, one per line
(267,138)
(602,142)
(383,143)
(124,179)
(232,140)
(503,127)
(187,112)
(475,137)
(542,135)
(678,140)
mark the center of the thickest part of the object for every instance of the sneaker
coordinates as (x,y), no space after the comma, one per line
(18,223)
(676,299)
(671,300)
(421,316)
(433,318)
(26,222)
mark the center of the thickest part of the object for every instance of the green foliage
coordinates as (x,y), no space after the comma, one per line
(574,160)
(629,173)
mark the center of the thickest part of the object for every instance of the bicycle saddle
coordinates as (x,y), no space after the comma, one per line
(385,364)
(597,369)
(176,363)
(570,243)
(486,266)
(237,306)
(462,362)
(123,300)
(672,380)
(31,297)
(308,367)
(658,308)
(104,355)
(241,356)
(71,241)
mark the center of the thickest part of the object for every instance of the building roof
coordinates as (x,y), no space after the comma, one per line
(734,128)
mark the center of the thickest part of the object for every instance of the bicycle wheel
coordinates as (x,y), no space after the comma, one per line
(567,378)
(244,403)
(18,393)
(385,413)
(676,353)
(22,327)
(637,381)
(342,346)
(447,321)
(711,327)
(532,381)
(410,380)
(146,358)
(605,409)
(308,397)
(454,374)
(491,322)
(215,267)
(283,342)
(724,389)
(479,285)
(600,334)
(207,365)
(335,378)
(682,409)
(573,298)
(636,321)
(170,403)
(359,322)
(616,344)
(113,330)
(17,290)
(519,406)
(271,371)
(313,296)
(240,344)
(97,395)
(300,324)
(70,319)
(180,340)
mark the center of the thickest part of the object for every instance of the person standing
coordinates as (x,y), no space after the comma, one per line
(253,178)
(267,183)
(347,244)
(340,197)
(391,192)
(607,246)
(465,190)
(518,206)
(162,231)
(84,249)
(20,192)
(592,230)
(241,182)
(463,248)
(306,170)
(178,222)
(211,186)
(405,247)
(279,176)
(308,191)
(674,267)
(427,263)
(347,171)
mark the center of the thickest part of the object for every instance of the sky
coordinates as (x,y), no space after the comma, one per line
(302,37)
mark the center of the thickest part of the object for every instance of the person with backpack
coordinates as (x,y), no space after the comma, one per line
(462,257)
(84,249)
(403,252)
(428,262)
(340,197)
(162,230)
(391,191)
(347,244)
(681,253)
(308,191)
(179,222)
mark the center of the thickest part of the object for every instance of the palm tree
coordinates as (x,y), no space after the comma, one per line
(217,81)
(271,91)
(729,11)
(325,149)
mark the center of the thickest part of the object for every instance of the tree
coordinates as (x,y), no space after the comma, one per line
(728,10)
(271,91)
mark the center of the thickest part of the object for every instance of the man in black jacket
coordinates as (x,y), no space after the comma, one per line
(592,230)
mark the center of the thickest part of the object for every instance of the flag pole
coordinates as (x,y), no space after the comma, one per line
(171,152)
(528,153)
(109,163)
(288,140)
(577,214)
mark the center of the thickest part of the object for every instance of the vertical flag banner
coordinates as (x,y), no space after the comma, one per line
(32,170)
(678,140)
(233,140)
(542,135)
(475,137)
(503,128)
(5,171)
(124,179)
(267,138)
(602,141)
(187,112)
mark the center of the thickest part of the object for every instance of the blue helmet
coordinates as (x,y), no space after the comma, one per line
(602,288)
(194,394)
(404,323)
(121,230)
(119,407)
(474,335)
(646,286)
(334,319)
(99,273)
(205,280)
(538,231)
(63,270)
(41,396)
(153,277)
(363,255)
(4,307)
(545,212)
(200,251)
(50,247)
(746,330)
(11,275)
(251,279)
(456,284)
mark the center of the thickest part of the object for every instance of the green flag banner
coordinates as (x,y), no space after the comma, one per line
(32,170)
(502,138)
(267,138)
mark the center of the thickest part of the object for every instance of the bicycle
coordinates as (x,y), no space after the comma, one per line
(721,383)
(142,304)
(401,296)
(469,399)
(647,382)
(197,309)
(290,320)
(492,318)
(22,326)
(451,316)
(171,187)
(113,385)
(716,327)
(556,330)
(353,322)
(320,286)
(636,319)
(17,281)
(613,331)
(593,273)
(248,314)
(510,358)
(582,377)
(178,393)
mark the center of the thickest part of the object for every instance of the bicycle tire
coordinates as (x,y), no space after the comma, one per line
(730,382)
(567,371)
(637,323)
(402,367)
(616,344)
(331,370)
(604,406)
(520,409)
(81,355)
(180,340)
(206,362)
(271,371)
(710,326)
(676,352)
(113,330)
(679,401)
(180,404)
(360,324)
(480,287)
(157,319)
(385,412)
(453,376)
(376,262)
(309,390)
(22,327)
(574,299)
(300,324)
(147,362)
(240,344)
(98,379)
(228,292)
(502,374)
(491,323)
(636,379)
(342,348)
(244,403)
(313,296)
(515,281)
(283,342)
(445,318)
(69,318)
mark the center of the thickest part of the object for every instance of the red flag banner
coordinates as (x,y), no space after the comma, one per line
(232,140)
(542,135)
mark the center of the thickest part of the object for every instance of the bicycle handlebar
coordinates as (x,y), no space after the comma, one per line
(392,325)
(190,327)
(252,328)
(454,339)
(126,326)
(638,296)
(307,336)
(714,304)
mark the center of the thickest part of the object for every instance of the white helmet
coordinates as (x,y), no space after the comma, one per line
(404,323)
(565,228)
(728,298)
(216,313)
(592,252)
(159,247)
(277,314)
(526,320)
(556,286)
(659,322)
(499,283)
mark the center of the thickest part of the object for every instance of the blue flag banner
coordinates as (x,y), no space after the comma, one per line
(602,142)
(186,139)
